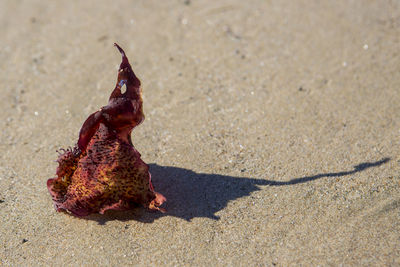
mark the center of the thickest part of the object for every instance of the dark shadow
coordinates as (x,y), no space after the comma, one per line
(357,168)
(194,195)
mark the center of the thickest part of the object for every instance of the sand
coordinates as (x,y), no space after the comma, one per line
(272,127)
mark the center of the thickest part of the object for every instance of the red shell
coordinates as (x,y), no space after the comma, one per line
(104,171)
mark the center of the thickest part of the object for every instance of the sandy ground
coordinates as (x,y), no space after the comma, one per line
(272,127)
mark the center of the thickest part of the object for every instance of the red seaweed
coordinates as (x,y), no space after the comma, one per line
(104,171)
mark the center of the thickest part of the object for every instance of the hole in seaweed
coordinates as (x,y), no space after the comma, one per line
(123,89)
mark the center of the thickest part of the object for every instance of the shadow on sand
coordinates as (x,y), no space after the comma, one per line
(193,195)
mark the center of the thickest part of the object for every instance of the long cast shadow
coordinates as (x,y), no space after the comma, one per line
(194,195)
(357,168)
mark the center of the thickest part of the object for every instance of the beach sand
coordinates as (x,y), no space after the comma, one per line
(272,127)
